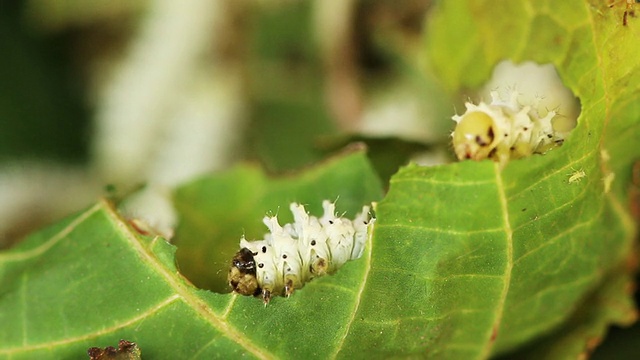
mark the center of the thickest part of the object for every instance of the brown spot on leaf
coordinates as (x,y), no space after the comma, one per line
(127,350)
(494,334)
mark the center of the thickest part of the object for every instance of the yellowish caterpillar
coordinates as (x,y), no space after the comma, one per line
(503,130)
(295,253)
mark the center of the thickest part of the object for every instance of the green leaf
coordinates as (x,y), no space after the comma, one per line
(611,301)
(466,261)
(216,211)
(518,253)
(286,87)
(92,280)
(42,115)
(502,260)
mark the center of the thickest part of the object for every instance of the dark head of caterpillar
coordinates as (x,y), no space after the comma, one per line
(242,274)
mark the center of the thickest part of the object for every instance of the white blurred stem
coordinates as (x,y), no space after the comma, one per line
(333,21)
(167,97)
(172,110)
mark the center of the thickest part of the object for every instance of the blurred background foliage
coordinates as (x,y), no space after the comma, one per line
(157,92)
(126,93)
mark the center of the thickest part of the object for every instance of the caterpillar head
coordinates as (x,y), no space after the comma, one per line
(242,274)
(476,136)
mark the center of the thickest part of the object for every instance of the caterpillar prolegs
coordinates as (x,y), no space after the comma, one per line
(291,255)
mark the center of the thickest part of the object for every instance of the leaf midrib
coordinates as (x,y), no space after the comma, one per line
(92,335)
(175,283)
(181,290)
(509,262)
(358,299)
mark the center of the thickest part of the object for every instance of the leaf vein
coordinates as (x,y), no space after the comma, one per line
(441,316)
(52,344)
(447,183)
(196,304)
(555,209)
(358,298)
(45,246)
(551,174)
(227,310)
(553,239)
(23,301)
(509,259)
(442,231)
(335,286)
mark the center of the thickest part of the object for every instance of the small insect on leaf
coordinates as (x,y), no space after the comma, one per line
(608,180)
(576,176)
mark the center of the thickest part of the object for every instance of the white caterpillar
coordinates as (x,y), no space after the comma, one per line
(293,254)
(503,130)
